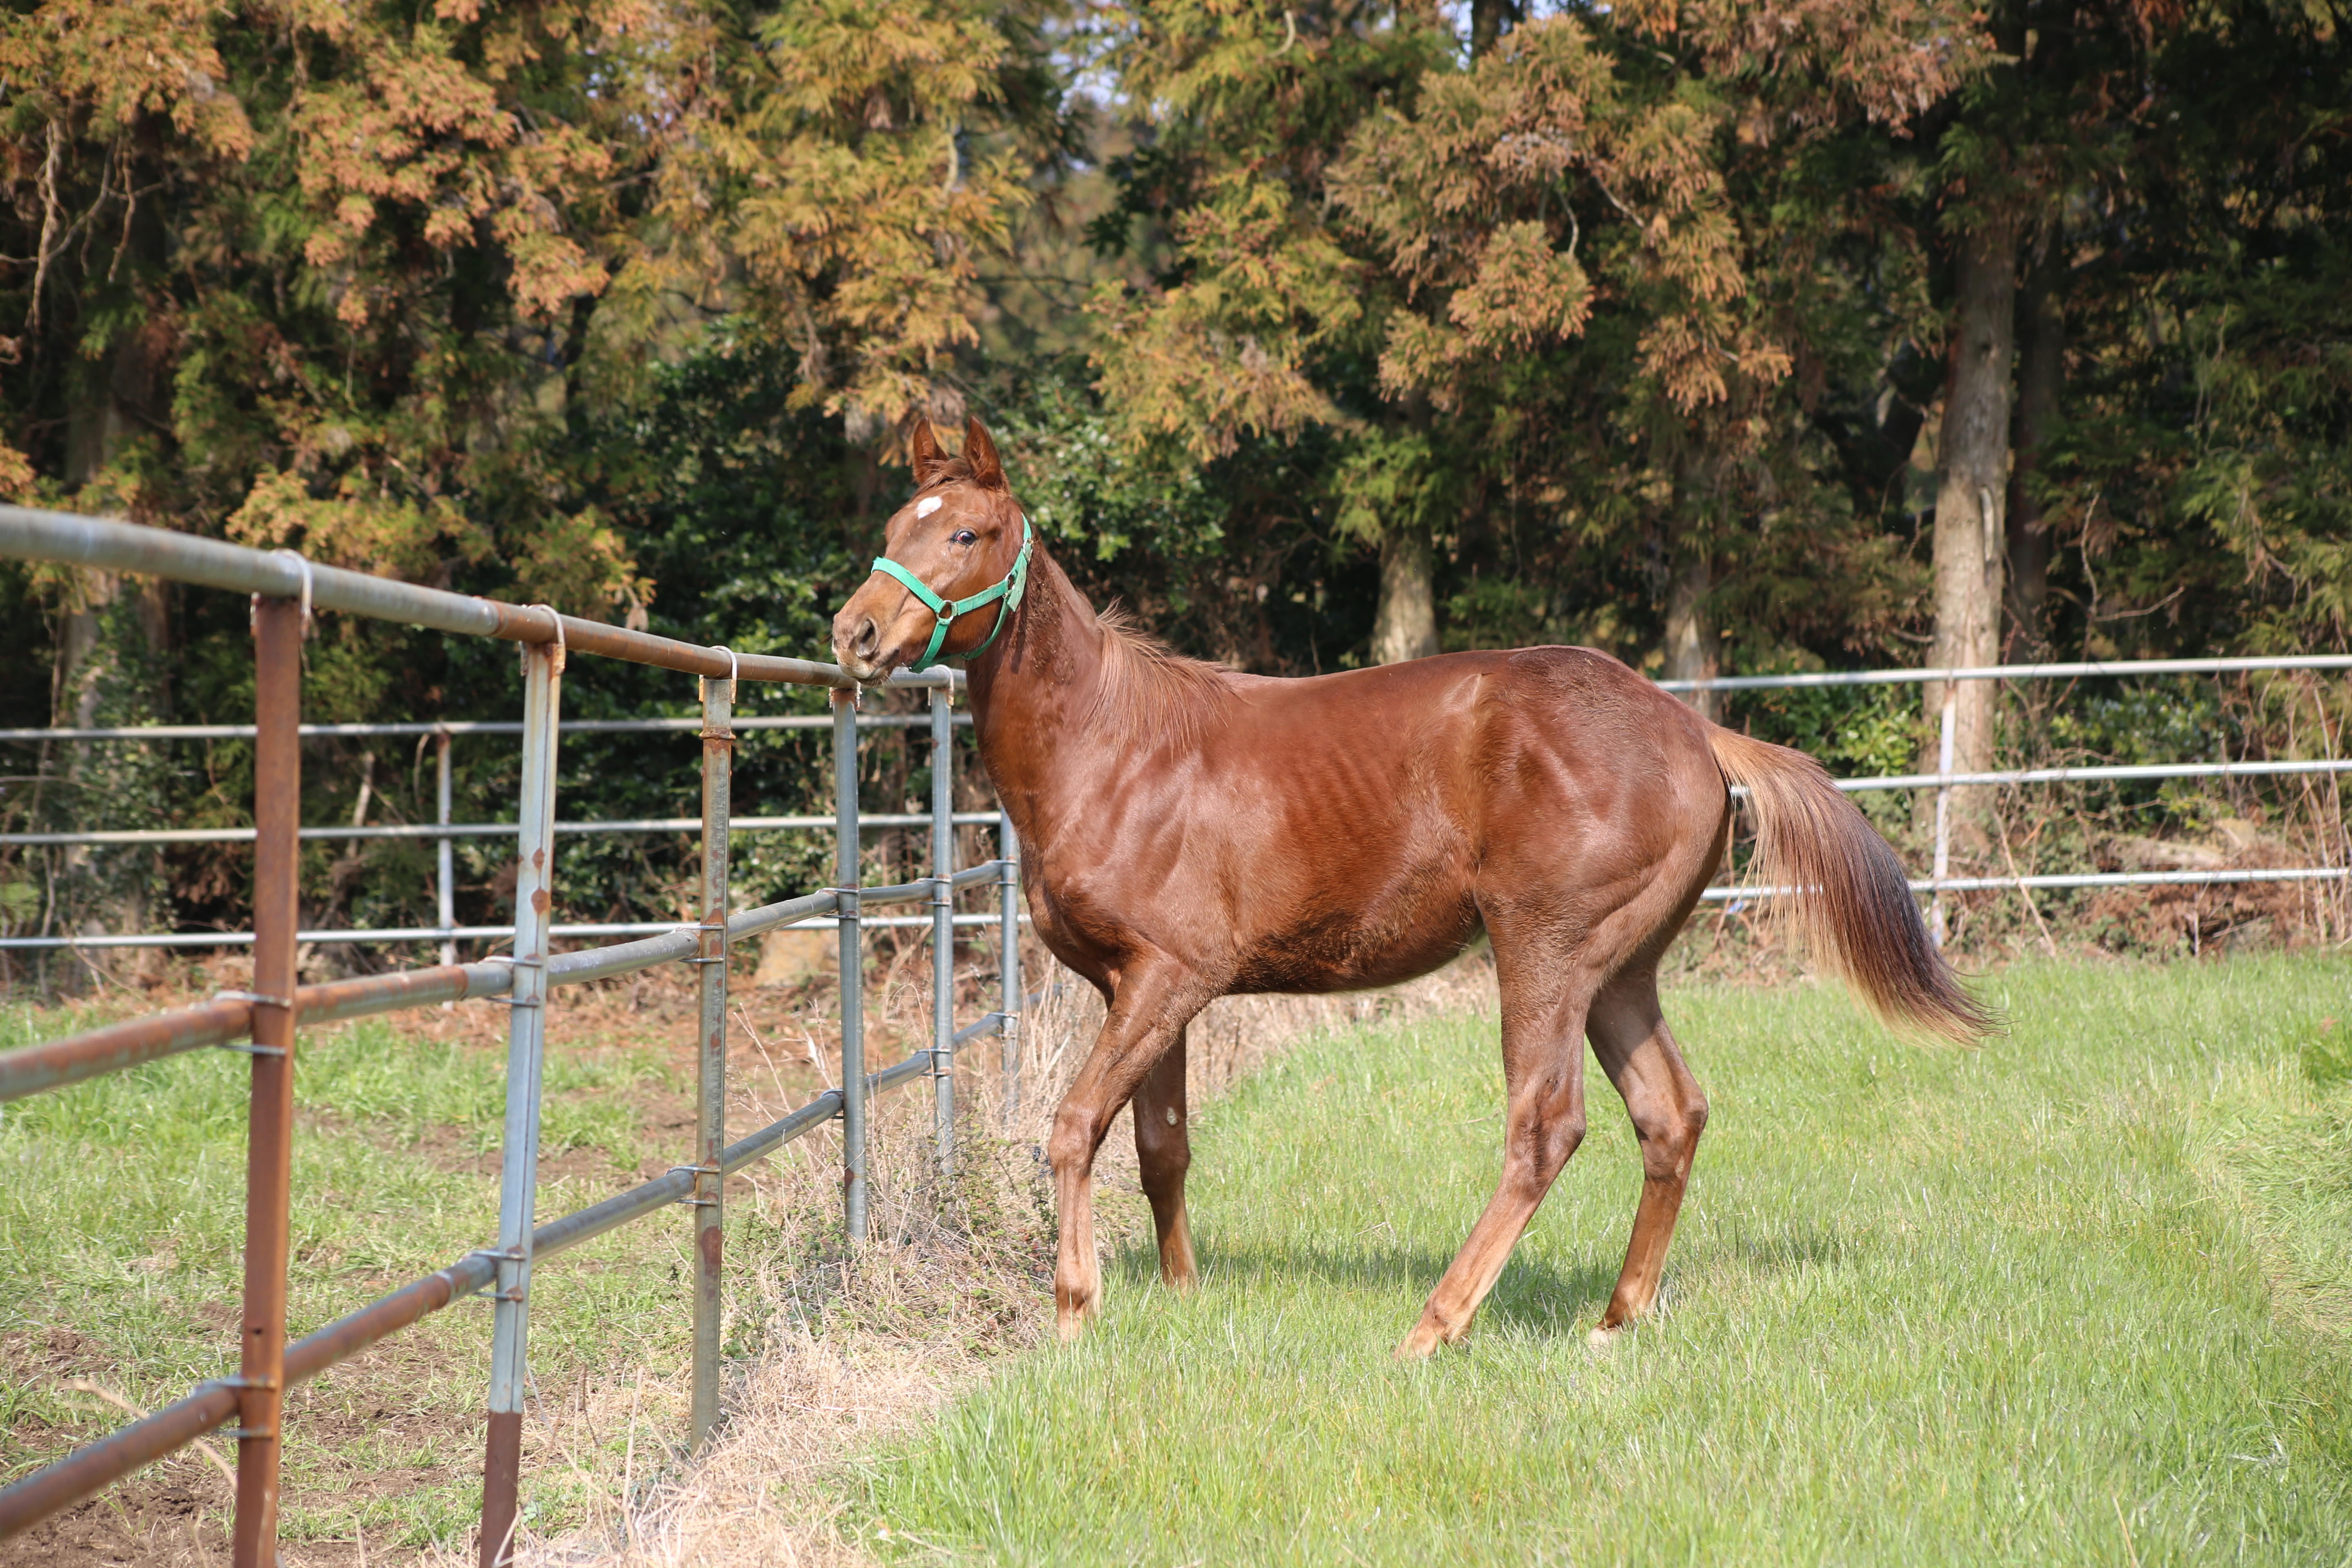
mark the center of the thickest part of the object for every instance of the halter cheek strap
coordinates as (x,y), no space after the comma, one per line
(1005,594)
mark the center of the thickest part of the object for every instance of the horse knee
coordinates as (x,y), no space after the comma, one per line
(1075,1139)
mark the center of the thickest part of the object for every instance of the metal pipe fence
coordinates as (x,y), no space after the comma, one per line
(264,1021)
(444,831)
(1945,779)
(441,831)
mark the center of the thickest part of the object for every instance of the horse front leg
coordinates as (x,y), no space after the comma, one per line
(1163,1149)
(1149,1010)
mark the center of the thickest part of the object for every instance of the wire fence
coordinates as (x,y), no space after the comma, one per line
(444,833)
(262,1021)
(1946,779)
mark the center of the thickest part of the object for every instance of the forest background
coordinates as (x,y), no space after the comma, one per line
(1725,336)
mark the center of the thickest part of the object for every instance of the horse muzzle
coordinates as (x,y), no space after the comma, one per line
(872,638)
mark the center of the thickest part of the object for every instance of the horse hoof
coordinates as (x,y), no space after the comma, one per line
(1602,1339)
(1418,1345)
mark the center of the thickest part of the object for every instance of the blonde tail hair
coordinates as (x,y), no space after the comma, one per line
(1844,891)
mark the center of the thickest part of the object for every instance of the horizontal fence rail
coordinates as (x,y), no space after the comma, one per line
(430,933)
(288,589)
(28,533)
(447,831)
(2061,880)
(471,727)
(2090,670)
(485,829)
(442,833)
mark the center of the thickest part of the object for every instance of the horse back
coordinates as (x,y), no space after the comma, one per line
(1333,832)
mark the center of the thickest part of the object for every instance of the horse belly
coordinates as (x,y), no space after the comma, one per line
(1383,941)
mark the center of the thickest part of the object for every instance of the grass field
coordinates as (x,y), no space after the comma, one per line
(2079,1296)
(121,1224)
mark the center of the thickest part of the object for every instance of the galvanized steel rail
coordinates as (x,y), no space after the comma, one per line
(1945,779)
(287,591)
(441,831)
(1942,782)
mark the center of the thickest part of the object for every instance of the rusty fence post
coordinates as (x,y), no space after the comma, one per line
(853,976)
(543,665)
(278,627)
(1008,855)
(943,924)
(710,1126)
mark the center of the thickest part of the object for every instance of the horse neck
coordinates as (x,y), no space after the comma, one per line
(1032,692)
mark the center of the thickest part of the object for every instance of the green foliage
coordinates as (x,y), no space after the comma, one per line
(1853,731)
(1091,492)
(554,305)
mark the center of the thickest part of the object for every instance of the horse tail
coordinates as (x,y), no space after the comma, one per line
(1845,891)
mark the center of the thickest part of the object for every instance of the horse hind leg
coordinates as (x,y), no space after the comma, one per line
(1543,1068)
(1669,1112)
(1163,1147)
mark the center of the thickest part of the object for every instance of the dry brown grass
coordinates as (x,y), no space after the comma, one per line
(853,1347)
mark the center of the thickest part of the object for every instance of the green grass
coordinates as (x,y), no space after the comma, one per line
(121,1226)
(2075,1297)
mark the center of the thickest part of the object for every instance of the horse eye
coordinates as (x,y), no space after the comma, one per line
(966,536)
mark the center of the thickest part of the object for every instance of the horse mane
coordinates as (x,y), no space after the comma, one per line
(1150,692)
(947,471)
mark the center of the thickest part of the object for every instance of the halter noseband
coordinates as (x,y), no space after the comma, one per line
(1008,589)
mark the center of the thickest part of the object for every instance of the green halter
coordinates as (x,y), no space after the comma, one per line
(1015,583)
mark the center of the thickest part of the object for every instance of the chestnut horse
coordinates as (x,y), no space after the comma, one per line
(1190,832)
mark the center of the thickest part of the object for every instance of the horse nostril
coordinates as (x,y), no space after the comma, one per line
(869,637)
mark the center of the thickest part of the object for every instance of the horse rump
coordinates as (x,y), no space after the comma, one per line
(1843,890)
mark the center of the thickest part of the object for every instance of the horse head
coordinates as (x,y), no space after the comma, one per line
(955,564)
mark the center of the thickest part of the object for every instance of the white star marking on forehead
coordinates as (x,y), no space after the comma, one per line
(928,505)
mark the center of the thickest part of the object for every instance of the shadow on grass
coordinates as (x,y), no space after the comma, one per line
(1534,1296)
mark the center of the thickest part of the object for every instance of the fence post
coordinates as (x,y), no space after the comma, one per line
(543,665)
(1943,810)
(443,853)
(1008,856)
(943,923)
(710,966)
(278,626)
(853,972)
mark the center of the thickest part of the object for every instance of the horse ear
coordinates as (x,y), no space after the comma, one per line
(928,457)
(987,467)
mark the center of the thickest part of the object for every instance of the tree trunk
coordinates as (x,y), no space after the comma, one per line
(1690,632)
(1972,536)
(2041,385)
(113,671)
(1406,625)
(1692,646)
(1488,18)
